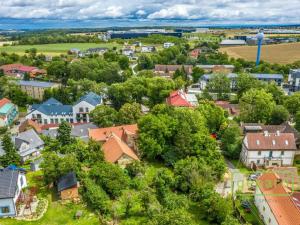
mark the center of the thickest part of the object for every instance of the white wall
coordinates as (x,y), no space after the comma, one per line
(83,105)
(263,208)
(10,203)
(48,118)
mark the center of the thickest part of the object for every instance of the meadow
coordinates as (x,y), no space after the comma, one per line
(56,49)
(279,53)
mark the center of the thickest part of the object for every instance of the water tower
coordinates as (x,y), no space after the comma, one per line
(260,37)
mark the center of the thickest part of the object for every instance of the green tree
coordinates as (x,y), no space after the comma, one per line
(110,177)
(64,133)
(129,113)
(197,73)
(245,82)
(292,103)
(219,84)
(123,62)
(58,70)
(231,141)
(145,62)
(26,76)
(279,115)
(256,106)
(1,72)
(297,121)
(11,155)
(104,116)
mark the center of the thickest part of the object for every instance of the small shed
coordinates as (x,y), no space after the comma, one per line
(67,187)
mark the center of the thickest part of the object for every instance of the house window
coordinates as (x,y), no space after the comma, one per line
(5,209)
(259,152)
(22,181)
(81,109)
(282,152)
(258,161)
(56,120)
(71,120)
(51,121)
(45,121)
(264,209)
(87,109)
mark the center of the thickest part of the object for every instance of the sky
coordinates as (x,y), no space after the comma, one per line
(205,11)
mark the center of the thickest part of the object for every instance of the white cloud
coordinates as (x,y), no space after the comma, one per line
(204,10)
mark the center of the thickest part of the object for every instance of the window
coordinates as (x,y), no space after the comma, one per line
(22,181)
(45,121)
(258,161)
(51,121)
(56,120)
(282,152)
(259,153)
(264,208)
(5,209)
(269,220)
(80,109)
(87,109)
(71,120)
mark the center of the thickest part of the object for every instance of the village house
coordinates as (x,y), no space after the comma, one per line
(181,99)
(148,49)
(11,184)
(29,144)
(128,52)
(274,202)
(98,51)
(268,149)
(168,71)
(67,187)
(8,112)
(118,143)
(36,89)
(54,112)
(168,44)
(277,78)
(18,70)
(232,109)
(294,80)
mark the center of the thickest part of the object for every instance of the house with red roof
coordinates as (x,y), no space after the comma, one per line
(268,149)
(195,53)
(181,99)
(118,143)
(275,202)
(18,70)
(8,112)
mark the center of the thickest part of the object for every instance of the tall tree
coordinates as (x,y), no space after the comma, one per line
(219,84)
(129,113)
(256,106)
(104,116)
(292,103)
(297,121)
(11,155)
(64,133)
(279,115)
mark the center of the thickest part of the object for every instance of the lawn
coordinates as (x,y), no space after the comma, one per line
(280,53)
(56,49)
(57,213)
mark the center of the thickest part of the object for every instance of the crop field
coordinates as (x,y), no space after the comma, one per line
(280,53)
(55,49)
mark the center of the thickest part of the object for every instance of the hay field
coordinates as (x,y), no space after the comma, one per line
(280,53)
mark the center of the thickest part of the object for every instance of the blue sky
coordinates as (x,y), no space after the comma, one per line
(218,11)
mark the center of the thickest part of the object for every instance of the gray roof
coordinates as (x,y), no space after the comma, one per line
(212,66)
(79,131)
(8,183)
(37,83)
(53,107)
(31,138)
(233,42)
(210,76)
(67,181)
(90,98)
(267,76)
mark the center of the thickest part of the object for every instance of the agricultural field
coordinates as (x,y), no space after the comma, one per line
(280,53)
(55,49)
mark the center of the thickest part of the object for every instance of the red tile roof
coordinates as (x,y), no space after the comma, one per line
(270,141)
(114,148)
(4,101)
(178,99)
(279,200)
(101,134)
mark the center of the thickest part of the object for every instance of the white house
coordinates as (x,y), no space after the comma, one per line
(168,44)
(11,184)
(147,49)
(128,52)
(268,149)
(29,144)
(294,80)
(54,112)
(274,203)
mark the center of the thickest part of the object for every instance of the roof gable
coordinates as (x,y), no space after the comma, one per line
(90,98)
(8,183)
(67,181)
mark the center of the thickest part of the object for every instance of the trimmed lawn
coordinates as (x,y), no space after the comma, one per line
(241,167)
(56,49)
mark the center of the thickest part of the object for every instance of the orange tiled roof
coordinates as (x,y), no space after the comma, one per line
(114,148)
(101,134)
(279,201)
(4,101)
(271,141)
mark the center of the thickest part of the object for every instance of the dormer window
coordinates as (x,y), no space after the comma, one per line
(257,142)
(286,142)
(273,142)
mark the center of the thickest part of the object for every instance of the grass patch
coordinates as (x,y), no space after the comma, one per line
(56,49)
(241,167)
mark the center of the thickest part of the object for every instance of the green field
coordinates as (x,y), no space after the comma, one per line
(56,49)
